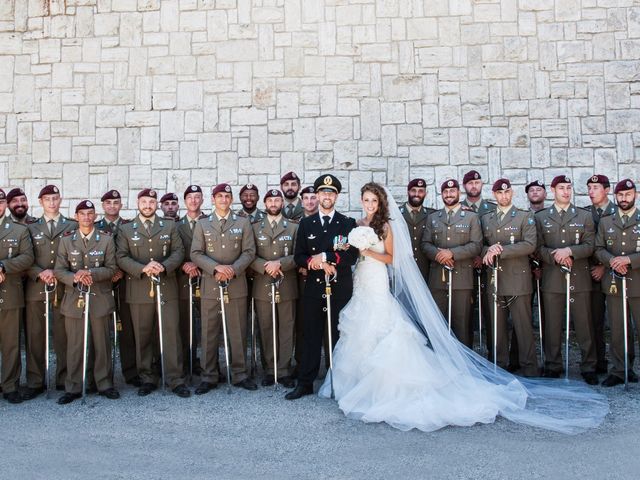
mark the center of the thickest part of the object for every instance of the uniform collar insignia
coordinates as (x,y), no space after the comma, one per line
(7,225)
(135,225)
(161,223)
(462,213)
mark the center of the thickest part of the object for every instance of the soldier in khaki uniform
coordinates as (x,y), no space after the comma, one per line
(170,206)
(290,187)
(453,238)
(598,187)
(193,200)
(151,246)
(566,237)
(618,247)
(16,256)
(223,248)
(87,258)
(510,236)
(249,196)
(46,233)
(111,223)
(19,207)
(274,237)
(415,214)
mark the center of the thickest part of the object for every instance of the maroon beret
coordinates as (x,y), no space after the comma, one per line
(85,205)
(471,175)
(3,196)
(560,179)
(273,193)
(148,192)
(221,187)
(417,182)
(289,176)
(501,184)
(308,189)
(168,196)
(601,179)
(535,183)
(14,192)
(48,190)
(626,184)
(451,183)
(249,186)
(111,195)
(192,189)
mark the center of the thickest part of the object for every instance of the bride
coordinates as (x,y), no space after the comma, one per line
(396,362)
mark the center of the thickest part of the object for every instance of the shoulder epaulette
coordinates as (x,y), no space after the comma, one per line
(105,232)
(68,232)
(465,208)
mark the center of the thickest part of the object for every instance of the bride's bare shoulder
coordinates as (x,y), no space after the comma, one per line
(361,222)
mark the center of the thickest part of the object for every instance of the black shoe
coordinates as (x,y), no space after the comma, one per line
(92,389)
(146,389)
(111,393)
(68,398)
(299,392)
(13,397)
(551,374)
(268,381)
(182,391)
(287,382)
(247,384)
(135,381)
(632,377)
(612,381)
(205,387)
(591,378)
(197,370)
(60,388)
(31,393)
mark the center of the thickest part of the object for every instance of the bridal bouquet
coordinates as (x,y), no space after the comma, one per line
(363,238)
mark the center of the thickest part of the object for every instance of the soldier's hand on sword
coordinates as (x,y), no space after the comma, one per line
(84,277)
(47,276)
(191,269)
(560,255)
(316,262)
(224,273)
(273,268)
(444,256)
(329,269)
(619,264)
(477,262)
(2,277)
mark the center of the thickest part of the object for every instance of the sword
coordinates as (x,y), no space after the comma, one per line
(450,296)
(85,339)
(495,268)
(275,298)
(479,274)
(625,319)
(567,276)
(159,302)
(253,360)
(536,263)
(327,295)
(114,317)
(191,284)
(224,298)
(49,288)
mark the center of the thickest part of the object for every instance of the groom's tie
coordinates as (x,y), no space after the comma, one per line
(325,221)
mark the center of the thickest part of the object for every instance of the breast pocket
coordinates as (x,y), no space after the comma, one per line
(462,233)
(96,259)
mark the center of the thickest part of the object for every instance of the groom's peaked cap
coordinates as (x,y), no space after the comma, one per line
(327,182)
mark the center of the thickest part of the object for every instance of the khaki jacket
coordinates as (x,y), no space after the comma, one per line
(297,212)
(416,227)
(99,257)
(275,244)
(516,232)
(186,235)
(463,236)
(614,240)
(16,254)
(576,231)
(214,245)
(45,248)
(136,248)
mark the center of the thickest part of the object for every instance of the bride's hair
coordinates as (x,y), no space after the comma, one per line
(381,217)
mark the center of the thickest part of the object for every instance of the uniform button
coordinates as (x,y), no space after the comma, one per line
(222,235)
(624,234)
(448,228)
(149,240)
(223,246)
(562,241)
(563,231)
(52,251)
(623,243)
(448,238)
(622,253)
(274,242)
(498,230)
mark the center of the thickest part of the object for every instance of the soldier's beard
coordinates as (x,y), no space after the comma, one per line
(290,194)
(249,208)
(451,201)
(147,213)
(626,206)
(416,201)
(19,212)
(274,211)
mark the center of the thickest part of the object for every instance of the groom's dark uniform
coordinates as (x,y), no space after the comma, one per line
(314,238)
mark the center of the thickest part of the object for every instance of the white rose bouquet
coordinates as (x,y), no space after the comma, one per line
(363,238)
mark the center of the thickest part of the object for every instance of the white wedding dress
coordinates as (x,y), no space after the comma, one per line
(385,369)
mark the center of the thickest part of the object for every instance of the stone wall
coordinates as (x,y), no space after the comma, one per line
(98,94)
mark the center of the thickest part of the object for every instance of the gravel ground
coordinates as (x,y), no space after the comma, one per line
(259,434)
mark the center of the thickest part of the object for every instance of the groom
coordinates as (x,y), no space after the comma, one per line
(321,247)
